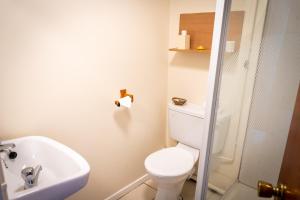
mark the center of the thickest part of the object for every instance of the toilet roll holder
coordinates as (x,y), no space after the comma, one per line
(123,93)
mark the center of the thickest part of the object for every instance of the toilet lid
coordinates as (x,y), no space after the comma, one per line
(169,162)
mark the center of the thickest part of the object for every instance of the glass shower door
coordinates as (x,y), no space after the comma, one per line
(256,99)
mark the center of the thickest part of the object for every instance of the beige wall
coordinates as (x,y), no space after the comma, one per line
(62,64)
(187,73)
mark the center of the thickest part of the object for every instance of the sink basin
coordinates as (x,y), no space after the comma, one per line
(64,171)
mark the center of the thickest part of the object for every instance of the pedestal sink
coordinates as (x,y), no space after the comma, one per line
(64,171)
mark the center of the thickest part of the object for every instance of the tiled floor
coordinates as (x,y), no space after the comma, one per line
(219,182)
(241,191)
(211,195)
(147,191)
(143,192)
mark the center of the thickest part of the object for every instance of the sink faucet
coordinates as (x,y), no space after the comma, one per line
(31,176)
(5,147)
(8,149)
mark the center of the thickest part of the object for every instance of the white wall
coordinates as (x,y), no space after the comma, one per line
(62,63)
(277,82)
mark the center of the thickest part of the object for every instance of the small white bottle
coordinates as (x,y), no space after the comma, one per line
(230,47)
(183,40)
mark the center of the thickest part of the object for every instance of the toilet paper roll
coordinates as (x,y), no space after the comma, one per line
(125,101)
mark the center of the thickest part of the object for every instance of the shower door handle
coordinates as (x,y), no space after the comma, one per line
(267,190)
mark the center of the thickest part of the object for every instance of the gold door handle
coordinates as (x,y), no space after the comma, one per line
(267,190)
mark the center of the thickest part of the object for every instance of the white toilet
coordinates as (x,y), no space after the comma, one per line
(170,167)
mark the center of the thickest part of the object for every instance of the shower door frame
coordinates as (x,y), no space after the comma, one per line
(216,61)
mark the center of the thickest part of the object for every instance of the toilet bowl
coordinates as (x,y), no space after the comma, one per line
(170,167)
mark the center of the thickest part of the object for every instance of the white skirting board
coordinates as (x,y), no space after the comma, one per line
(125,190)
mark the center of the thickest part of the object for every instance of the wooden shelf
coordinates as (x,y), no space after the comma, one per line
(190,50)
(200,27)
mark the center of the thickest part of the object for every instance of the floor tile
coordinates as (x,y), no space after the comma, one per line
(219,182)
(188,191)
(241,191)
(151,184)
(147,191)
(143,192)
(215,197)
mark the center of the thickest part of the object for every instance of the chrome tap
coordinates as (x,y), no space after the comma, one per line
(7,146)
(31,176)
(8,149)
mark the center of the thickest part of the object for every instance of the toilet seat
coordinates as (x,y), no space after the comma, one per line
(170,162)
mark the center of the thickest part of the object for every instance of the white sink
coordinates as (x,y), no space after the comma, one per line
(64,171)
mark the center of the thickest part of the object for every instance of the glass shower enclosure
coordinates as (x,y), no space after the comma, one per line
(256,94)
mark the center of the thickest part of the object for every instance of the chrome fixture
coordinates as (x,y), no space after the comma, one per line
(31,176)
(8,149)
(3,147)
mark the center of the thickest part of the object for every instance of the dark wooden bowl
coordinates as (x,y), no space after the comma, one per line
(178,101)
